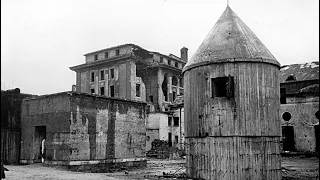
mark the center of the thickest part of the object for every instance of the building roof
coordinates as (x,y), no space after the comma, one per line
(300,72)
(230,40)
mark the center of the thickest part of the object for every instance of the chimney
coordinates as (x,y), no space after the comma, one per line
(184,53)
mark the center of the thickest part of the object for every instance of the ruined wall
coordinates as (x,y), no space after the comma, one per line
(303,120)
(111,53)
(53,112)
(83,128)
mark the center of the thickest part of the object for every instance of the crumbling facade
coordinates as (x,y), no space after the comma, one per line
(84,131)
(133,73)
(300,107)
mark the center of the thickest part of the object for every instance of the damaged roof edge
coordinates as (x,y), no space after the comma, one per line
(71,93)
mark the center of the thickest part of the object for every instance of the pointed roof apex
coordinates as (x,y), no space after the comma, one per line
(230,40)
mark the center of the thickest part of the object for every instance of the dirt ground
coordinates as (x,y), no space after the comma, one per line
(301,168)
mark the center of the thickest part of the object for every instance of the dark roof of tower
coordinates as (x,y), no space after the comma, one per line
(230,40)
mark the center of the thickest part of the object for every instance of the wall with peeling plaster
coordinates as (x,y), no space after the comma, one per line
(303,120)
(84,128)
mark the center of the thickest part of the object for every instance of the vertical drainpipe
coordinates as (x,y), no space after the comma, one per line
(180,130)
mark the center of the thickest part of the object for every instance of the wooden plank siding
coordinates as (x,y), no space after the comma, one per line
(233,138)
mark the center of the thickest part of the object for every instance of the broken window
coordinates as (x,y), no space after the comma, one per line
(174,81)
(117,52)
(176,139)
(222,87)
(92,91)
(112,73)
(112,91)
(96,57)
(106,55)
(138,90)
(169,121)
(283,98)
(175,121)
(102,91)
(92,76)
(164,86)
(102,75)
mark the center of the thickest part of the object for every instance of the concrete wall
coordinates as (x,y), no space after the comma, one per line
(84,128)
(303,120)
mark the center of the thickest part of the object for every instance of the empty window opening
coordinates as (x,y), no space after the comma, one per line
(102,75)
(138,90)
(291,78)
(288,138)
(174,81)
(174,95)
(176,64)
(117,52)
(106,55)
(112,73)
(170,139)
(176,139)
(112,91)
(92,91)
(169,121)
(92,76)
(286,116)
(283,98)
(175,121)
(96,57)
(151,98)
(164,86)
(102,91)
(161,59)
(222,87)
(181,82)
(169,61)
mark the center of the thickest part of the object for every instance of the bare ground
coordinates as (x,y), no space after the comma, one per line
(296,168)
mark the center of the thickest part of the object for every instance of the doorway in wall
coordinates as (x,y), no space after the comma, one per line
(39,135)
(288,138)
(170,139)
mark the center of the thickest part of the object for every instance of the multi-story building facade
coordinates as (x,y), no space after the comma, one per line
(133,73)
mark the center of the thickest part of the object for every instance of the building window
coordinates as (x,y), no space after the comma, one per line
(181,82)
(112,91)
(117,52)
(175,121)
(169,61)
(174,81)
(174,95)
(283,98)
(92,76)
(96,57)
(106,54)
(102,75)
(161,59)
(102,91)
(151,98)
(112,73)
(222,87)
(176,139)
(92,91)
(138,90)
(169,121)
(286,116)
(176,64)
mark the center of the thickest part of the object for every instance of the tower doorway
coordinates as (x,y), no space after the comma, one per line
(288,138)
(39,135)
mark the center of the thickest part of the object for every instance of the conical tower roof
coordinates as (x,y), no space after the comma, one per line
(230,40)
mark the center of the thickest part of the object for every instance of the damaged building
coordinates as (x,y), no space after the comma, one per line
(299,88)
(83,131)
(133,73)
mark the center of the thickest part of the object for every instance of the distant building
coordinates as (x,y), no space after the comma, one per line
(299,89)
(133,73)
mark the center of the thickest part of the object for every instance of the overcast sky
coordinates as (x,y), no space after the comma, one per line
(41,39)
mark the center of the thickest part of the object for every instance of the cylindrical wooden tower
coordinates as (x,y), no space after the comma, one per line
(231,102)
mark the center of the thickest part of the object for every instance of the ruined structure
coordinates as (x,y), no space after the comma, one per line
(232,105)
(133,73)
(11,125)
(84,132)
(299,88)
